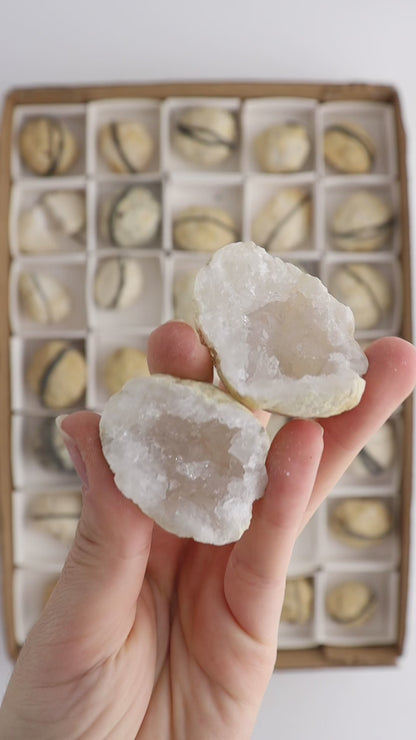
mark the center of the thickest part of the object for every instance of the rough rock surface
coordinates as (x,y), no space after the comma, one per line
(279,340)
(190,456)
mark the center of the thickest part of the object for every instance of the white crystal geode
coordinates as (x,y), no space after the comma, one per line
(190,456)
(278,339)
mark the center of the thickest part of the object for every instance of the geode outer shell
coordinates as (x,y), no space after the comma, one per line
(362,222)
(351,603)
(122,365)
(47,146)
(126,146)
(43,297)
(190,456)
(349,148)
(205,135)
(278,339)
(285,221)
(203,228)
(283,147)
(361,522)
(365,289)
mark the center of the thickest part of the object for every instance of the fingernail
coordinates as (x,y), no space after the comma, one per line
(73,450)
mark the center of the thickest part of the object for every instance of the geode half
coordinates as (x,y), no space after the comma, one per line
(278,339)
(187,454)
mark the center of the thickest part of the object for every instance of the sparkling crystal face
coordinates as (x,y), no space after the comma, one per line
(278,339)
(192,458)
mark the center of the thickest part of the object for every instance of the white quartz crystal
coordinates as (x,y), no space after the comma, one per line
(279,340)
(191,457)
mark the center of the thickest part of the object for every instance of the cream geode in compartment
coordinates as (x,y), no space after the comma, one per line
(349,148)
(203,228)
(283,148)
(126,146)
(363,222)
(203,215)
(130,217)
(201,134)
(367,289)
(278,135)
(124,137)
(39,456)
(55,373)
(287,346)
(358,606)
(47,295)
(122,365)
(199,457)
(357,138)
(115,356)
(45,220)
(360,522)
(43,297)
(47,146)
(49,141)
(126,291)
(285,221)
(118,283)
(351,603)
(360,529)
(205,136)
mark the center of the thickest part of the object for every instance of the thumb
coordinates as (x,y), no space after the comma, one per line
(93,606)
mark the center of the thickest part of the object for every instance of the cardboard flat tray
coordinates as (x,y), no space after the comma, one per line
(320,655)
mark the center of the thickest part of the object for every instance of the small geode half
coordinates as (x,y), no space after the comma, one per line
(279,340)
(190,456)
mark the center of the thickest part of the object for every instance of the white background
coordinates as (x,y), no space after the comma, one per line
(81,41)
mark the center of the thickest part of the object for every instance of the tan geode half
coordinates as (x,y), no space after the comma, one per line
(187,454)
(279,340)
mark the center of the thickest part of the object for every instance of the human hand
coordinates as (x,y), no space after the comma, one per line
(151,636)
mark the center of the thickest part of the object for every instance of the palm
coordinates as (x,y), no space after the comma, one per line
(201,652)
